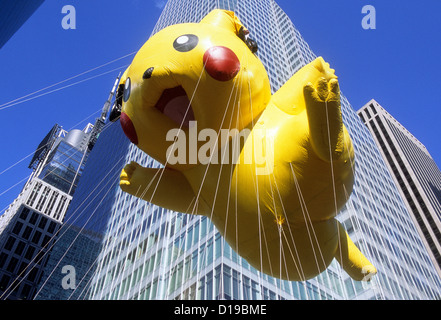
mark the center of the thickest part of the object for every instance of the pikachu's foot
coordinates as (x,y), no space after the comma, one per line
(130,180)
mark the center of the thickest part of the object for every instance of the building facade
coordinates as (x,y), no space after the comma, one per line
(148,252)
(13,14)
(414,171)
(28,227)
(81,237)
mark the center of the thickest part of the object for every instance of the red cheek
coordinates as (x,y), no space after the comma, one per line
(128,128)
(221,63)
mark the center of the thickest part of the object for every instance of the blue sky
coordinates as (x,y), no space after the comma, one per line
(398,64)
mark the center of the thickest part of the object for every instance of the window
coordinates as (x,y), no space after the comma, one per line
(43,199)
(17,227)
(32,274)
(51,227)
(42,223)
(227,283)
(20,247)
(24,213)
(45,241)
(60,207)
(209,286)
(26,234)
(36,237)
(25,291)
(34,194)
(236,285)
(12,264)
(52,200)
(39,257)
(3,257)
(246,288)
(34,218)
(30,252)
(22,268)
(4,282)
(9,243)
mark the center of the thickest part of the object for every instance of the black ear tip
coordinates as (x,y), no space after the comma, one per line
(148,73)
(244,36)
(252,44)
(115,112)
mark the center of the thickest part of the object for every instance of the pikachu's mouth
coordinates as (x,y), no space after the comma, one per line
(174,104)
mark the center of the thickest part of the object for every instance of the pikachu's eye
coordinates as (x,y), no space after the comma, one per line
(185,42)
(127,89)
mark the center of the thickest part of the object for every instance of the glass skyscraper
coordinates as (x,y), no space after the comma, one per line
(141,251)
(29,226)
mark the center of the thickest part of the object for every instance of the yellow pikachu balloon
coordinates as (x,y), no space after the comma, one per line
(270,171)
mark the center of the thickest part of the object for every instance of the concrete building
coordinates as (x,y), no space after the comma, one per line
(414,171)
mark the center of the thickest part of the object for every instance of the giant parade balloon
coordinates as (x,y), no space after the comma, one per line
(271,171)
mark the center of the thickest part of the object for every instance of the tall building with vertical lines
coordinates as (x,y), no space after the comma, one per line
(414,170)
(142,251)
(28,227)
(13,14)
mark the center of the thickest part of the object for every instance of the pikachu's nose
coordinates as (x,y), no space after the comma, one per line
(221,63)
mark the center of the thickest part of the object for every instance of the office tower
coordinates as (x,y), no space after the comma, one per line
(28,226)
(13,14)
(148,252)
(81,237)
(414,170)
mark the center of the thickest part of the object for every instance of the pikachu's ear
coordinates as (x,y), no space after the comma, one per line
(224,19)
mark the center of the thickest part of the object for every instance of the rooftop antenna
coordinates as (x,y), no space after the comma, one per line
(100,122)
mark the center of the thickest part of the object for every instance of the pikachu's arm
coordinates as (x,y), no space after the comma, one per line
(164,187)
(314,89)
(328,135)
(351,259)
(289,97)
